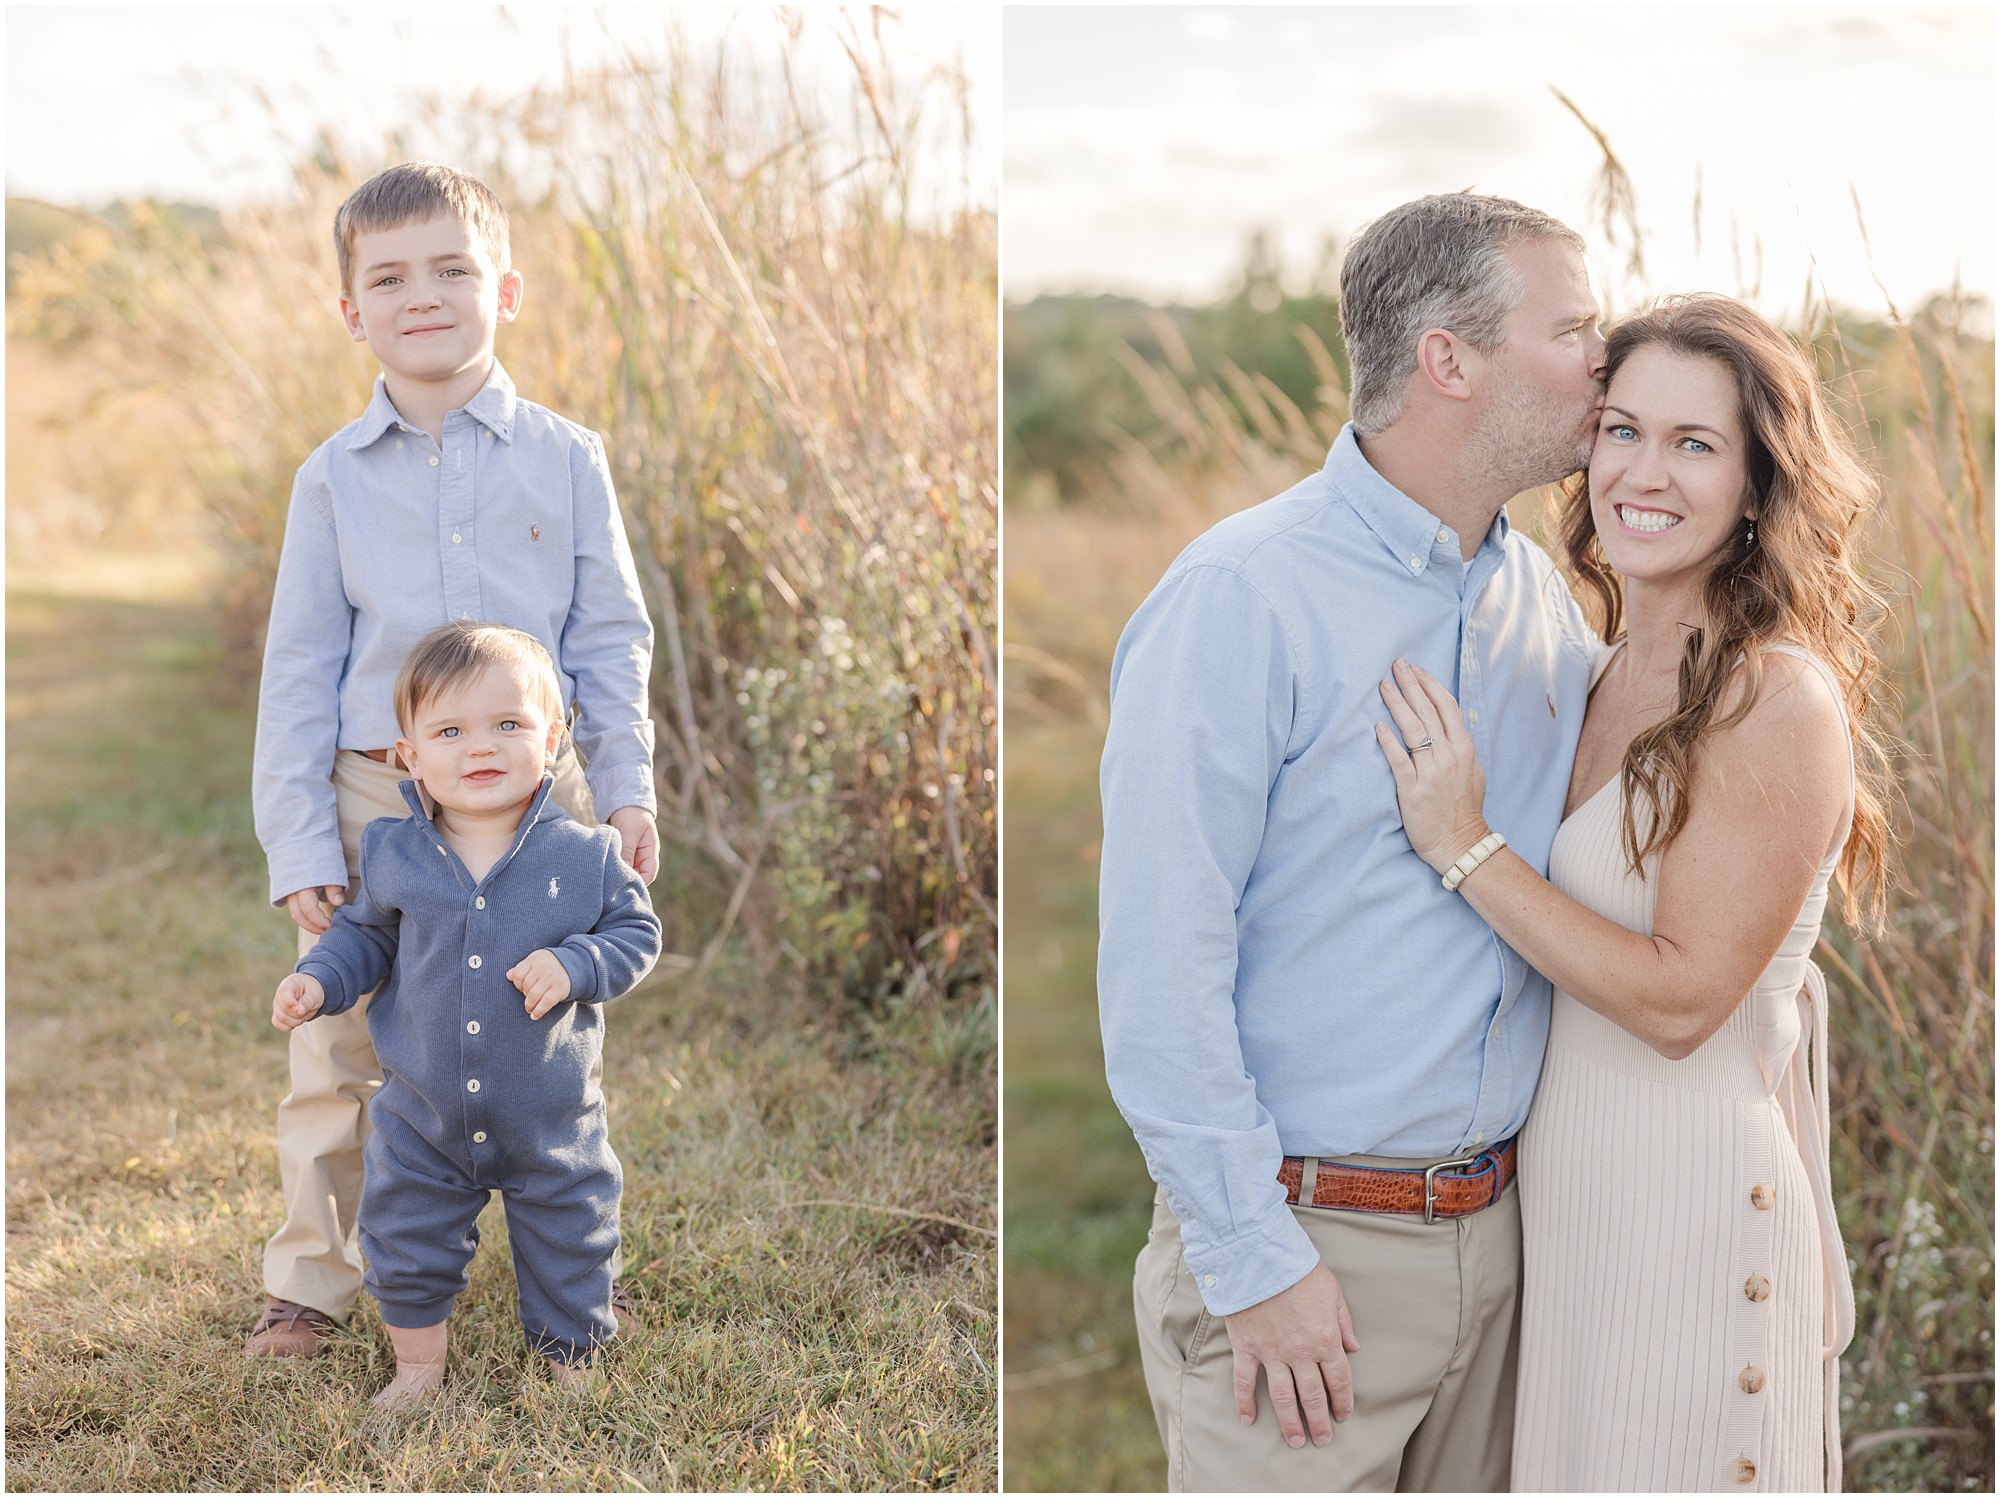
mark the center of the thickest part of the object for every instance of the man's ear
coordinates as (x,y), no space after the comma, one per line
(1446,364)
(407,753)
(511,289)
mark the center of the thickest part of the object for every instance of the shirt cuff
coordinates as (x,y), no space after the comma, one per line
(614,787)
(309,863)
(1253,1266)
(583,976)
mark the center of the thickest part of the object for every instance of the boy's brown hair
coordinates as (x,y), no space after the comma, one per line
(411,193)
(457,652)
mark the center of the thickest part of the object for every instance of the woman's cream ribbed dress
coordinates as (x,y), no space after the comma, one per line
(1685,1292)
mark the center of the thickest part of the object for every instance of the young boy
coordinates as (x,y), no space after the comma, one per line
(501,927)
(450,498)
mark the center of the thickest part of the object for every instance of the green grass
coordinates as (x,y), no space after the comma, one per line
(808,1193)
(1078,1196)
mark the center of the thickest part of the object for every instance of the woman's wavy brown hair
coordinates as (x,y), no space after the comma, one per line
(1791,577)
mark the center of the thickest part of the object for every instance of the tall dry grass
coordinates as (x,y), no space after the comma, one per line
(1912,1042)
(747,288)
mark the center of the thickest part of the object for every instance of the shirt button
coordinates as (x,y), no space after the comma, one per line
(479,902)
(1742,1470)
(1472,716)
(399,444)
(473,960)
(1444,535)
(1761,1197)
(434,460)
(455,538)
(1208,1280)
(1416,564)
(1757,1288)
(1751,1380)
(473,1085)
(480,1137)
(472,1027)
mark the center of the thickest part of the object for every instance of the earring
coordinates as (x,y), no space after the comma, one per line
(1750,530)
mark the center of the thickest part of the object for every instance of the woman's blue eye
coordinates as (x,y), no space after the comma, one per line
(1621,431)
(1695,444)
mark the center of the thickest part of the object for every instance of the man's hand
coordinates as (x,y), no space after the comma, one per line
(1301,1338)
(638,840)
(297,1000)
(542,979)
(303,905)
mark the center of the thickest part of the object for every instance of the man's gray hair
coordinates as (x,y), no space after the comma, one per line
(1439,262)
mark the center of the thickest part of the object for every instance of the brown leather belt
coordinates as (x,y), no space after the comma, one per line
(383,757)
(1441,1190)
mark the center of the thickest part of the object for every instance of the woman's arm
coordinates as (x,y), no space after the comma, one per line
(1768,793)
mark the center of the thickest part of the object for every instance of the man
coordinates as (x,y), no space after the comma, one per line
(1294,1009)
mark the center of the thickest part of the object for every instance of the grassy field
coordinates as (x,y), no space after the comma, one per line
(1912,1009)
(808,1202)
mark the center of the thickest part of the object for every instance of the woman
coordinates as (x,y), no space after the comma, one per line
(1686,1294)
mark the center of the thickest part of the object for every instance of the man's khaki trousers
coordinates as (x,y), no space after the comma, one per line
(1436,1310)
(315,1258)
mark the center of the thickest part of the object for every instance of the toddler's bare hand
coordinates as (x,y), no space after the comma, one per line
(542,979)
(297,1000)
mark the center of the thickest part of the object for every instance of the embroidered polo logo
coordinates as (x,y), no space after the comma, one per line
(552,889)
(535,532)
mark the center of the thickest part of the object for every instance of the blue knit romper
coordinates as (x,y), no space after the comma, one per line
(476,1096)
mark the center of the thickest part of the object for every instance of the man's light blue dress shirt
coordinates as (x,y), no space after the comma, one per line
(1278,973)
(511,520)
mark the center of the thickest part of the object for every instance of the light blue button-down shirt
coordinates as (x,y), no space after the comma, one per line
(511,520)
(1278,973)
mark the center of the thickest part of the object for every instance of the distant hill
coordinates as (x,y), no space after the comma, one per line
(34,227)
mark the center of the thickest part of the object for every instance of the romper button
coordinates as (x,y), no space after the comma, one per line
(1757,1288)
(473,1085)
(1761,1197)
(1743,1470)
(480,1137)
(1751,1380)
(479,902)
(472,1027)
(473,960)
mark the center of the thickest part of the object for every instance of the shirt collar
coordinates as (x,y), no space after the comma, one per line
(492,407)
(424,807)
(1406,528)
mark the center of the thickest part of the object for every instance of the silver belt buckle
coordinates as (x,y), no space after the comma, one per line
(1430,1182)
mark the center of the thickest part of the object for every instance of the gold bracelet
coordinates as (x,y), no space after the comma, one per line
(1477,854)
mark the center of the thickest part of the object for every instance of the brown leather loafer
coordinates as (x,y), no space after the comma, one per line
(624,1310)
(288,1330)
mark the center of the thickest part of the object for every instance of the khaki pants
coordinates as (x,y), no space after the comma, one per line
(1437,1312)
(315,1258)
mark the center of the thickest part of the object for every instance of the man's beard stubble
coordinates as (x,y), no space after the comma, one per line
(1526,440)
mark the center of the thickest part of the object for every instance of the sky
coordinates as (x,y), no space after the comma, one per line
(1144,144)
(210,103)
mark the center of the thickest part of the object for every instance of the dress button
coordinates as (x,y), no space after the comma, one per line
(1751,1380)
(1757,1288)
(1761,1197)
(473,1085)
(480,1137)
(473,960)
(472,1027)
(479,902)
(1742,1470)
